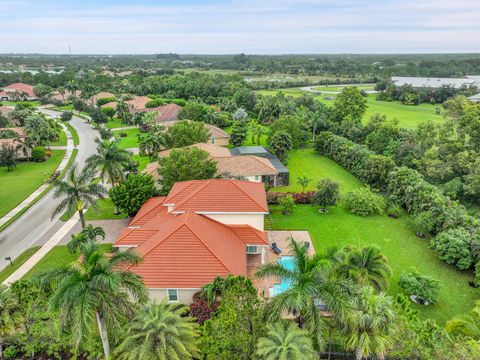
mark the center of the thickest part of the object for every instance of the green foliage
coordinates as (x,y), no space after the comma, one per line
(294,125)
(364,202)
(131,194)
(66,116)
(233,331)
(239,133)
(280,143)
(38,154)
(185,133)
(350,105)
(105,100)
(327,193)
(303,181)
(466,325)
(453,247)
(423,223)
(424,288)
(8,156)
(109,111)
(185,164)
(284,340)
(287,204)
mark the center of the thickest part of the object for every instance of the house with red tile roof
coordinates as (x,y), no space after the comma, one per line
(17,91)
(200,230)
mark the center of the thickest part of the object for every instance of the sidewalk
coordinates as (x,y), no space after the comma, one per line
(69,150)
(35,258)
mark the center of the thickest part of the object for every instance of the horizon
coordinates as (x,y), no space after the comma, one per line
(215,27)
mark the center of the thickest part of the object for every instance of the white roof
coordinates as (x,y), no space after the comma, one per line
(423,82)
(475,98)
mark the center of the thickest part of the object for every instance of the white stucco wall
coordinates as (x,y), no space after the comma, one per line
(185,296)
(254,220)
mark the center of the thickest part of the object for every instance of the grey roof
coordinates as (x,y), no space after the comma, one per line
(424,82)
(262,152)
(475,98)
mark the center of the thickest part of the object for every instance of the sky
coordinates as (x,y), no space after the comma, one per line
(236,26)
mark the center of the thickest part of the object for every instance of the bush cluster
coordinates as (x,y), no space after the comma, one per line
(298,197)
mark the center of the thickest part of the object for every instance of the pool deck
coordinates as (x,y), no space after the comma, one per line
(282,240)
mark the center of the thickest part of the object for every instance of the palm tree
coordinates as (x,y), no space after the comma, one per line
(72,87)
(25,145)
(61,90)
(80,192)
(110,160)
(312,281)
(9,316)
(285,341)
(371,327)
(150,145)
(96,288)
(88,234)
(468,324)
(161,331)
(366,266)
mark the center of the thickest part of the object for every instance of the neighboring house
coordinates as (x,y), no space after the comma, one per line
(5,110)
(11,92)
(17,130)
(475,98)
(101,95)
(217,136)
(425,82)
(202,229)
(56,96)
(136,104)
(167,112)
(283,176)
(14,143)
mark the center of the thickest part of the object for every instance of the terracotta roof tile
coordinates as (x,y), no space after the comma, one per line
(213,150)
(247,165)
(20,87)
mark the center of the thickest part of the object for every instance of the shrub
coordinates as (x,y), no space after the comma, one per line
(200,310)
(106,100)
(453,247)
(327,193)
(109,111)
(364,202)
(394,211)
(298,197)
(130,195)
(423,288)
(287,204)
(38,154)
(66,116)
(423,223)
(155,103)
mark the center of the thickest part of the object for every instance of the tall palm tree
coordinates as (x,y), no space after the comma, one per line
(468,324)
(366,266)
(150,145)
(88,234)
(371,327)
(312,281)
(72,88)
(161,331)
(9,316)
(25,145)
(96,288)
(285,341)
(110,160)
(80,192)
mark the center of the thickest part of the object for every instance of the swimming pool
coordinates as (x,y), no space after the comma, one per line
(288,263)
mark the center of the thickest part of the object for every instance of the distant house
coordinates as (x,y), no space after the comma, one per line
(475,98)
(433,83)
(14,143)
(202,229)
(5,110)
(167,112)
(17,91)
(17,130)
(218,137)
(101,95)
(136,104)
(56,96)
(283,176)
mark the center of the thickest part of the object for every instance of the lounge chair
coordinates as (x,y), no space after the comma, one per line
(307,245)
(275,248)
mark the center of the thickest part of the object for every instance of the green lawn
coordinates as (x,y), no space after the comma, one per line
(56,257)
(105,211)
(62,139)
(130,141)
(142,161)
(409,116)
(341,87)
(19,261)
(394,237)
(74,133)
(307,162)
(25,179)
(114,124)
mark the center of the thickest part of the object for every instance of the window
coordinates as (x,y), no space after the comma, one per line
(256,177)
(172,294)
(252,249)
(213,140)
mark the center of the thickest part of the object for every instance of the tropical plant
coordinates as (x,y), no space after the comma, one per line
(284,340)
(313,281)
(363,202)
(327,194)
(89,234)
(130,195)
(80,192)
(8,156)
(9,316)
(287,204)
(96,288)
(303,181)
(371,327)
(424,289)
(280,143)
(150,145)
(160,331)
(25,145)
(454,247)
(365,266)
(466,325)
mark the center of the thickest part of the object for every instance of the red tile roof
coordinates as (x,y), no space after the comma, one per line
(168,112)
(17,130)
(19,87)
(189,250)
(218,195)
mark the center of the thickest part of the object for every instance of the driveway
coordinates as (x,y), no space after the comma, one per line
(36,224)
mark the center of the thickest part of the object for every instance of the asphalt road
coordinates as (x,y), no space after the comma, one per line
(34,224)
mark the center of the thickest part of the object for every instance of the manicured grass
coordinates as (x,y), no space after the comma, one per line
(248,140)
(56,257)
(25,179)
(74,133)
(341,87)
(19,261)
(114,124)
(408,116)
(105,211)
(62,139)
(395,238)
(142,161)
(307,162)
(129,141)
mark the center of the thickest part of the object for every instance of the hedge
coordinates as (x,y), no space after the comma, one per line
(298,197)
(106,100)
